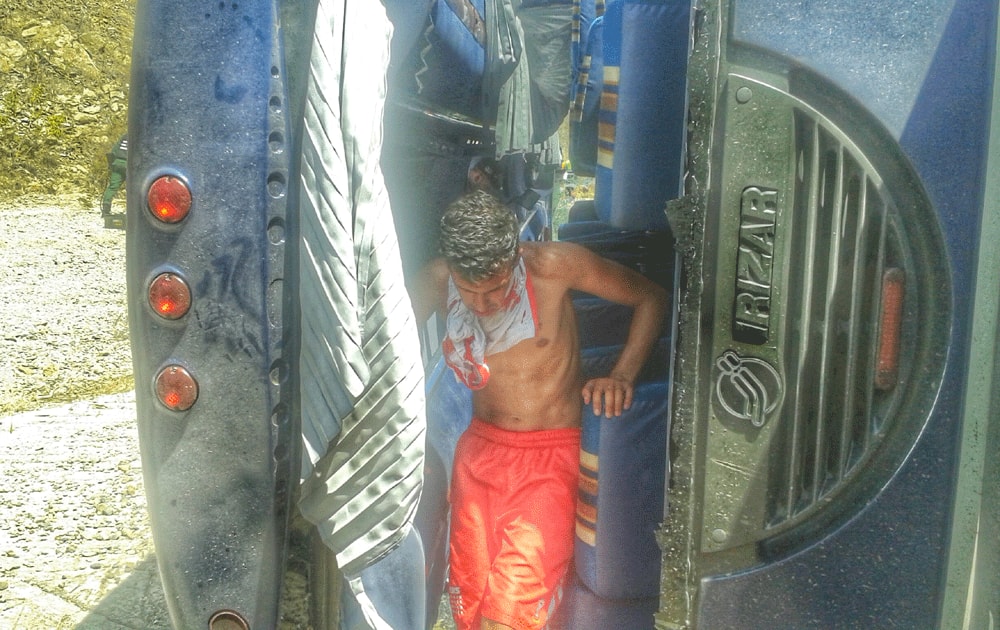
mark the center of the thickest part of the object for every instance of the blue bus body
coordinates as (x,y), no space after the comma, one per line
(815,183)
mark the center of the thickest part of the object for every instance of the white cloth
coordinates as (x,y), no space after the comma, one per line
(361,376)
(470,339)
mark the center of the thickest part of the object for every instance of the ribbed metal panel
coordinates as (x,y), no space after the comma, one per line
(828,422)
(813,209)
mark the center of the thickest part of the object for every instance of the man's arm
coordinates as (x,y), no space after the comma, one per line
(429,290)
(616,283)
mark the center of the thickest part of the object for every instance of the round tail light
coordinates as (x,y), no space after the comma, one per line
(176,388)
(169,296)
(169,199)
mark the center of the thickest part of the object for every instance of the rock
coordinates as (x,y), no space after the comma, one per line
(11,52)
(53,57)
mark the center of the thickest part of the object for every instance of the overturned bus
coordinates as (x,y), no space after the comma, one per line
(813,441)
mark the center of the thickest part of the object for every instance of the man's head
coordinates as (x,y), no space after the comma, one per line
(479,242)
(484,174)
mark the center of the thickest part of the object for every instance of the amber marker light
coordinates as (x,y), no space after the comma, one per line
(169,199)
(169,296)
(887,360)
(176,388)
(227,620)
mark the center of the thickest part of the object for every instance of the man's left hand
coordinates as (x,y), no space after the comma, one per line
(609,395)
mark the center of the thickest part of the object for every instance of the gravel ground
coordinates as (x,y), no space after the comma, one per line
(75,546)
(76,550)
(65,331)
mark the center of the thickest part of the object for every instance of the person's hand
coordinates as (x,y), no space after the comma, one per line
(609,395)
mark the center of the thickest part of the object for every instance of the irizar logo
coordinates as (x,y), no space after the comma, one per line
(754,265)
(746,388)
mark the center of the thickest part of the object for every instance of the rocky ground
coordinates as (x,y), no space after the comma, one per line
(65,331)
(64,94)
(75,531)
(76,550)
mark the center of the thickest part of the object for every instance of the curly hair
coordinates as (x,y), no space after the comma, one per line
(479,236)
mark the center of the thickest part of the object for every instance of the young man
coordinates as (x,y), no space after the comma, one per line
(512,337)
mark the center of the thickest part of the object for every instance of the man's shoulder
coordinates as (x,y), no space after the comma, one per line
(553,258)
(435,273)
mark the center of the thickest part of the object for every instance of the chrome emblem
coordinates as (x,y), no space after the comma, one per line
(755,265)
(747,388)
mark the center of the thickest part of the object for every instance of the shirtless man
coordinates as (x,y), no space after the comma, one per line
(512,337)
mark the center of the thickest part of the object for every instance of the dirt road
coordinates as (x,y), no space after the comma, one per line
(76,548)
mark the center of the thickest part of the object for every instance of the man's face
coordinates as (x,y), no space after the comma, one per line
(487,296)
(482,179)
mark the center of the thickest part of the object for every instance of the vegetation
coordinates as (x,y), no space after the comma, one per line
(63,100)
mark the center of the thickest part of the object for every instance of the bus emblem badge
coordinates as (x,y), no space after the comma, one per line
(755,265)
(747,388)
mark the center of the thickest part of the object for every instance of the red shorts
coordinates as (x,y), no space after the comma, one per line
(513,498)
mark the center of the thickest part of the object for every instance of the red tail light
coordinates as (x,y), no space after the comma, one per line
(176,388)
(169,199)
(169,296)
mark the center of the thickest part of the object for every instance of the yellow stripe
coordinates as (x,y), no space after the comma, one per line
(605,158)
(587,511)
(609,101)
(610,75)
(606,132)
(605,147)
(589,460)
(586,534)
(588,485)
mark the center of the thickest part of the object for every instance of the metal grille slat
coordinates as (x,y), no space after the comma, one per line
(825,303)
(841,315)
(875,251)
(836,252)
(800,285)
(814,203)
(853,331)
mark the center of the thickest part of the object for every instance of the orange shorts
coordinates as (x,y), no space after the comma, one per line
(513,498)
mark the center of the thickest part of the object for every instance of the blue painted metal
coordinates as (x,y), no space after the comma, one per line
(207,104)
(927,73)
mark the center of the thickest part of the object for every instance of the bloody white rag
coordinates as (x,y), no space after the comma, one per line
(469,338)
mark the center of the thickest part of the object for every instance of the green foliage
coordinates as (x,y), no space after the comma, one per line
(11,101)
(63,97)
(36,96)
(54,126)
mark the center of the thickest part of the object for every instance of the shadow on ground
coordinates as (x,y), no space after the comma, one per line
(136,604)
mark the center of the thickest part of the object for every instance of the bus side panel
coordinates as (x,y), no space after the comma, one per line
(206,114)
(882,563)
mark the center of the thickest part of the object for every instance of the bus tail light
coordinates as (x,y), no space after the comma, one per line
(169,199)
(176,388)
(887,360)
(169,296)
